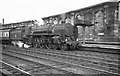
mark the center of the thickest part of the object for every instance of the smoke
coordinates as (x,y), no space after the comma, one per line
(20,44)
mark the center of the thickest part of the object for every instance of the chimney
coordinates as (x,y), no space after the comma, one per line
(3,21)
(63,16)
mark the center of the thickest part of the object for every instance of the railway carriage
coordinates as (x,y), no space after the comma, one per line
(5,36)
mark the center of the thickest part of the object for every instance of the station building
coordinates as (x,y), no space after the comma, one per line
(101,22)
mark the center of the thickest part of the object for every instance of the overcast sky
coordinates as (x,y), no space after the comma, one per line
(22,10)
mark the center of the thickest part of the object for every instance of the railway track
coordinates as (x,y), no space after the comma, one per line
(10,70)
(33,68)
(100,65)
(53,63)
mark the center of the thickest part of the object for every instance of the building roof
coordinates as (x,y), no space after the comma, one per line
(19,22)
(100,4)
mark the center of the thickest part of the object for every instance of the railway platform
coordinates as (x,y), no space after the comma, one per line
(102,46)
(112,47)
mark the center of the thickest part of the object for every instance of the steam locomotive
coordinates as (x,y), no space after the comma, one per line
(50,36)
